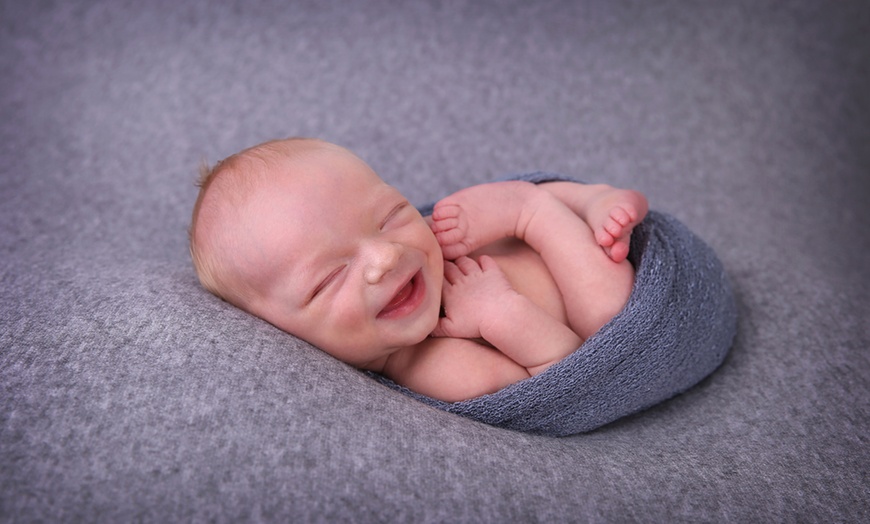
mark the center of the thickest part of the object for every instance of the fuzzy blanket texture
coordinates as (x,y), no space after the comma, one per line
(676,329)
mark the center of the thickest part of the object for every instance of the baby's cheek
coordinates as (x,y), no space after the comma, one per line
(350,314)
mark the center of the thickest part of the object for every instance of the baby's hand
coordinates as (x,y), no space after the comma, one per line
(473,293)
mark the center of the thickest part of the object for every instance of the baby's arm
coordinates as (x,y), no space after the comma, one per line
(594,286)
(453,369)
(479,302)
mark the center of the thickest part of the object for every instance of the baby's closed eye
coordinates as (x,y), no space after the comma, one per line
(325,283)
(394,216)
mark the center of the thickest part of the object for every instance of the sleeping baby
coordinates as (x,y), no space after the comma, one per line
(500,282)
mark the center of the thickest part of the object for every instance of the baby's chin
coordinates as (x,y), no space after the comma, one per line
(428,324)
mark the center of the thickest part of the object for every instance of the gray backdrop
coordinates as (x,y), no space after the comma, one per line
(129,394)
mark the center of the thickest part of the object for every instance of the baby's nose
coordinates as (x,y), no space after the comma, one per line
(381,258)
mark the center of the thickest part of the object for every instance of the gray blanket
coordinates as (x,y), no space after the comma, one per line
(676,329)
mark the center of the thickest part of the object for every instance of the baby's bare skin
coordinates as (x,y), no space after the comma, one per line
(612,213)
(479,303)
(589,268)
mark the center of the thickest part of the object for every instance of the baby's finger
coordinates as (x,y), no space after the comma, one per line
(451,272)
(487,263)
(467,265)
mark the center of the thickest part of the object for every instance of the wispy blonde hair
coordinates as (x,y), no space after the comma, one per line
(237,175)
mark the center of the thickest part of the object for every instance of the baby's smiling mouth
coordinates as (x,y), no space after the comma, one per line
(406,300)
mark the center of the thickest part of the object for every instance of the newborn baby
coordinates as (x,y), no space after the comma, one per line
(502,281)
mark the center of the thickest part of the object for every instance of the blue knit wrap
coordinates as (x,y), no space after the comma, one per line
(675,330)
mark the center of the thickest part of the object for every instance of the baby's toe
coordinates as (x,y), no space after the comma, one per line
(445,210)
(448,237)
(621,216)
(445,224)
(618,251)
(604,238)
(613,227)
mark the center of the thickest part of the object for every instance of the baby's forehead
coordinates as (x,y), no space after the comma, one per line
(324,174)
(239,179)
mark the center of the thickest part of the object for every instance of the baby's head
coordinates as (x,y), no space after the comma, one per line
(305,235)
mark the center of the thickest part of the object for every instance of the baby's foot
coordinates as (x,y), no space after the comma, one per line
(612,215)
(478,215)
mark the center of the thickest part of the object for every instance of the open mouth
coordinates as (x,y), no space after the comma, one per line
(407,299)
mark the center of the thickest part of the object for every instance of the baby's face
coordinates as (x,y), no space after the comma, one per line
(341,259)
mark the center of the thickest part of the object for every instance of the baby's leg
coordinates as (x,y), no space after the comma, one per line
(594,286)
(611,213)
